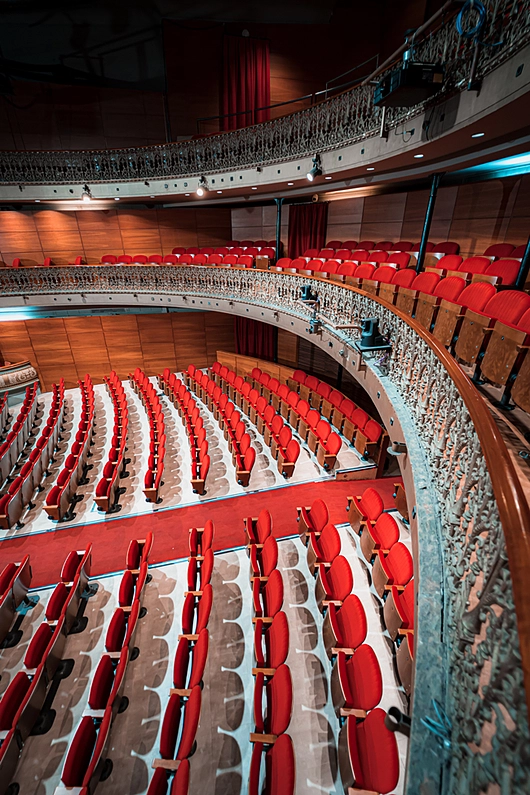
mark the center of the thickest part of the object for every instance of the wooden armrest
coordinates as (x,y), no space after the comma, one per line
(400,588)
(126,608)
(328,602)
(353,791)
(134,571)
(167,764)
(114,655)
(263,738)
(93,713)
(258,546)
(193,593)
(188,637)
(343,649)
(264,671)
(402,631)
(265,619)
(356,713)
(261,579)
(180,691)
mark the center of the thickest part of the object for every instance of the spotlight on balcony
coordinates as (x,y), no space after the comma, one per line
(202,187)
(316,171)
(86,195)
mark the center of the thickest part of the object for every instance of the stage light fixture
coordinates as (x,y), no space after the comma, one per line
(86,195)
(316,171)
(202,187)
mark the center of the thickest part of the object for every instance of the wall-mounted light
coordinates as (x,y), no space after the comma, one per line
(86,195)
(316,171)
(202,187)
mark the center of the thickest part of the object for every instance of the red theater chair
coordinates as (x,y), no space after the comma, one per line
(267,596)
(368,754)
(363,509)
(344,627)
(257,530)
(356,683)
(333,584)
(184,682)
(275,638)
(394,569)
(382,535)
(313,519)
(279,694)
(279,764)
(322,549)
(398,611)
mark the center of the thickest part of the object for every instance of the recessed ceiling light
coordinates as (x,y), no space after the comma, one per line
(370,168)
(186,194)
(290,183)
(37,201)
(116,198)
(478,135)
(254,188)
(328,177)
(219,191)
(152,197)
(418,156)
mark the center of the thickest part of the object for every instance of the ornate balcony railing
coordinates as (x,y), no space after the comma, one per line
(342,120)
(485,520)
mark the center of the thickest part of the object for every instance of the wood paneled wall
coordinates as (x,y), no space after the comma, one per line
(474,215)
(63,236)
(259,223)
(71,347)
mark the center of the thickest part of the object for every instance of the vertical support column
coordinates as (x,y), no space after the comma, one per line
(279,203)
(436,179)
(522,276)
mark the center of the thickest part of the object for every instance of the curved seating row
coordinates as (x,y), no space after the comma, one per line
(73,473)
(24,698)
(189,412)
(229,419)
(157,437)
(273,681)
(108,488)
(177,744)
(19,434)
(4,413)
(23,486)
(368,753)
(483,269)
(220,257)
(15,582)
(448,247)
(86,762)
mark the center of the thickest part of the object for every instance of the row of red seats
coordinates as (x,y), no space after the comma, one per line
(24,698)
(73,473)
(356,680)
(448,247)
(18,436)
(324,259)
(392,573)
(23,486)
(497,271)
(185,695)
(229,419)
(86,762)
(157,437)
(273,681)
(189,412)
(108,489)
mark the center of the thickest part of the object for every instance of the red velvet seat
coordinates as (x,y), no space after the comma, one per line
(276,640)
(102,682)
(333,584)
(356,681)
(57,602)
(268,597)
(518,253)
(396,568)
(403,245)
(367,244)
(170,727)
(203,573)
(79,753)
(473,265)
(38,645)
(116,631)
(313,519)
(504,271)
(201,540)
(323,549)
(381,535)
(264,560)
(12,699)
(367,507)
(280,767)
(287,458)
(345,627)
(499,250)
(448,247)
(368,754)
(279,691)
(258,530)
(398,610)
(199,656)
(449,262)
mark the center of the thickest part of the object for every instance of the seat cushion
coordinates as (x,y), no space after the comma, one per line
(12,699)
(79,753)
(37,647)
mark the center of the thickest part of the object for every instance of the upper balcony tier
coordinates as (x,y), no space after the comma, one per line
(484,90)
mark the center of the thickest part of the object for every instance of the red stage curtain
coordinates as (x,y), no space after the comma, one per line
(307,227)
(246,81)
(253,338)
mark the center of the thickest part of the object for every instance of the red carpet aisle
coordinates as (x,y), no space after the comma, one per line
(110,539)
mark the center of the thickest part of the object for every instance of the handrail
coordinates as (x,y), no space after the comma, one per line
(485,521)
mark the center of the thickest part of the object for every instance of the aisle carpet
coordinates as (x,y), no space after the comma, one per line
(110,539)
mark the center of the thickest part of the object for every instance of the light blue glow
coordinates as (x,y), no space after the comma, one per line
(506,166)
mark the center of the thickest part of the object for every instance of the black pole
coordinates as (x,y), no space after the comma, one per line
(436,179)
(279,203)
(524,268)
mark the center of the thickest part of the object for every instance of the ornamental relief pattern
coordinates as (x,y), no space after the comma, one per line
(486,698)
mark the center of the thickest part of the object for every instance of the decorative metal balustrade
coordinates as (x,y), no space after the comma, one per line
(344,119)
(480,500)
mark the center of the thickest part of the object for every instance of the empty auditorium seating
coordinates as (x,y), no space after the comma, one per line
(368,754)
(62,494)
(108,489)
(356,682)
(312,519)
(323,548)
(257,530)
(449,318)
(333,583)
(394,568)
(157,450)
(345,626)
(19,433)
(364,509)
(279,766)
(15,581)
(379,535)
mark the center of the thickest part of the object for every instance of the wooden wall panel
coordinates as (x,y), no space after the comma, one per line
(219,333)
(190,339)
(52,350)
(89,346)
(158,347)
(15,342)
(288,348)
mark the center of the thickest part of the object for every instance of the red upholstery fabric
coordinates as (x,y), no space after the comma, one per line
(8,572)
(133,555)
(524,322)
(38,645)
(181,781)
(474,265)
(101,684)
(192,713)
(279,700)
(200,655)
(116,631)
(384,274)
(448,247)
(170,728)
(426,282)
(508,306)
(404,602)
(281,767)
(385,531)
(504,269)
(158,783)
(277,640)
(263,527)
(327,547)
(399,258)
(337,581)
(70,566)
(180,665)
(364,271)
(476,296)
(57,601)
(360,678)
(273,593)
(518,253)
(349,622)
(269,556)
(450,262)
(404,278)
(398,564)
(449,288)
(13,698)
(126,592)
(205,606)
(374,753)
(255,766)
(317,517)
(79,753)
(499,250)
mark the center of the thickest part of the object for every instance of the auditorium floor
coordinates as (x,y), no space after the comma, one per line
(177,490)
(220,764)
